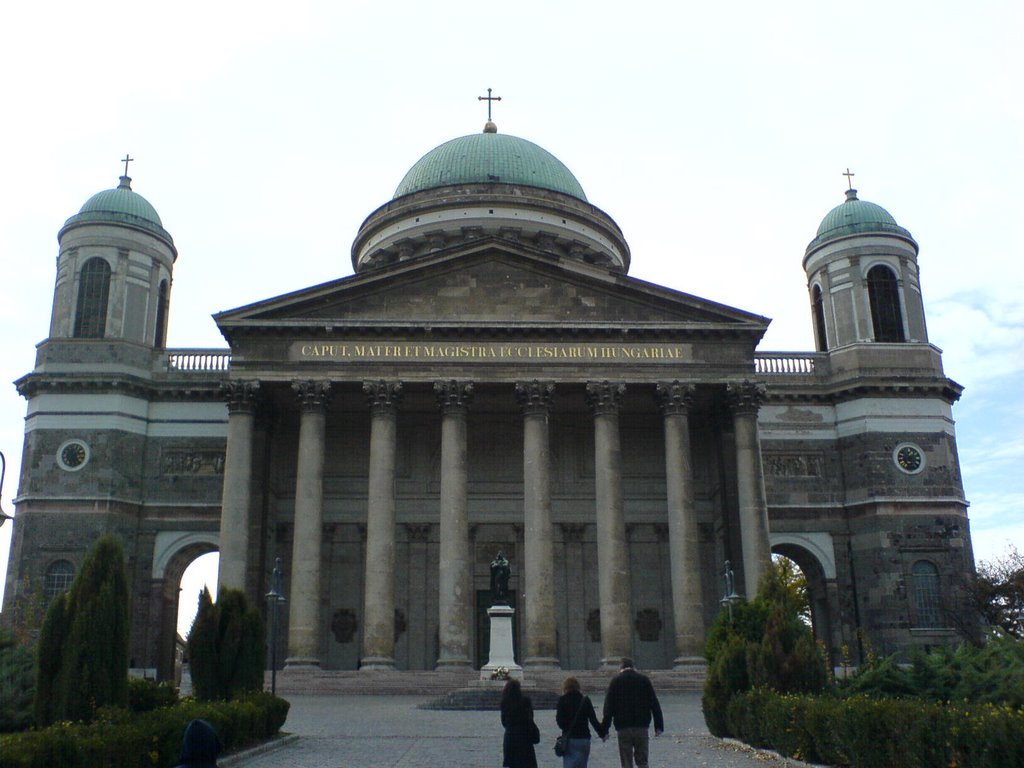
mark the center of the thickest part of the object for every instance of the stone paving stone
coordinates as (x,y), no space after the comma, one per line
(392,732)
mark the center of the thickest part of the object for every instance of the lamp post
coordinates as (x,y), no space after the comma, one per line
(275,597)
(729,595)
(4,517)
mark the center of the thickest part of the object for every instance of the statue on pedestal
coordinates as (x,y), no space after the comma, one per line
(500,573)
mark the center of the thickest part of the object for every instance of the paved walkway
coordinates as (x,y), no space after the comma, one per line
(391,732)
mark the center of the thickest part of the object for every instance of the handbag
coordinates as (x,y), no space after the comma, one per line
(562,742)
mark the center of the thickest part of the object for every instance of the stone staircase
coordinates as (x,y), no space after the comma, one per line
(313,681)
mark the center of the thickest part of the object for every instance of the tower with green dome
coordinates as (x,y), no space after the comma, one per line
(114,271)
(862,278)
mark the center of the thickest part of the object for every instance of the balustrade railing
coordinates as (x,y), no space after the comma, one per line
(219,360)
(198,360)
(786,363)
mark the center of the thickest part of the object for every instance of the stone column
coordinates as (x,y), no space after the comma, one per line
(455,599)
(612,551)
(745,399)
(539,610)
(683,539)
(237,494)
(379,598)
(307,542)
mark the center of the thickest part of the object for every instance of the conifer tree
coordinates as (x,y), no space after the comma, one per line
(48,662)
(83,648)
(95,654)
(226,646)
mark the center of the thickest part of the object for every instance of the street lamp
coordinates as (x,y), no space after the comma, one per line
(729,595)
(4,517)
(275,597)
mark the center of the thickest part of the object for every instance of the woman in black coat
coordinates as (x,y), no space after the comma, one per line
(521,732)
(573,713)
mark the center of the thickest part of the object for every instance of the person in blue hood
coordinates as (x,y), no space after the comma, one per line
(200,747)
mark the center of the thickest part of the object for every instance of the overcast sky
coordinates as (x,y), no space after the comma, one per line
(715,134)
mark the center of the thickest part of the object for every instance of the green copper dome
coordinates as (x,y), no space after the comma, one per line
(119,206)
(856,216)
(487,158)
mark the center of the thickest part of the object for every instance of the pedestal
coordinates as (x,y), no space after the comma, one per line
(501,654)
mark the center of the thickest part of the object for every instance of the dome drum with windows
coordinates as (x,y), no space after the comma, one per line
(489,185)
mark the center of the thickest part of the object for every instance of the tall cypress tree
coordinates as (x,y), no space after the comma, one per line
(202,649)
(226,646)
(94,669)
(48,662)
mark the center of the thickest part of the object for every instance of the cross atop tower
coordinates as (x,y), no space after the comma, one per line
(488,98)
(849,177)
(126,159)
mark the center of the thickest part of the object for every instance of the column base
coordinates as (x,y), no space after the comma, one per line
(612,663)
(689,662)
(302,662)
(376,664)
(541,662)
(453,664)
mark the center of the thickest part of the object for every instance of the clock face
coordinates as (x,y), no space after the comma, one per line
(909,458)
(73,455)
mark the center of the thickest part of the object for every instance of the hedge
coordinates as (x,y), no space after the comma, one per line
(879,733)
(117,738)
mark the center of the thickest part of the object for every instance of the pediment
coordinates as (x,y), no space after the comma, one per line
(487,286)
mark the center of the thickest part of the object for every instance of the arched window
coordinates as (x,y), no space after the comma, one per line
(927,598)
(160,337)
(59,576)
(93,290)
(819,320)
(884,296)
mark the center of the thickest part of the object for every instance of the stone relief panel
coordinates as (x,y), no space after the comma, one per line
(187,462)
(794,464)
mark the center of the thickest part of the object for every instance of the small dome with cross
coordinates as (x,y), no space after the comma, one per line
(119,205)
(856,217)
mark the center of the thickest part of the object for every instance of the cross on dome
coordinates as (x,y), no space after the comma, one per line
(489,126)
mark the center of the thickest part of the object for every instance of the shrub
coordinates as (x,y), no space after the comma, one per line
(764,644)
(226,646)
(879,733)
(17,687)
(118,738)
(147,695)
(992,673)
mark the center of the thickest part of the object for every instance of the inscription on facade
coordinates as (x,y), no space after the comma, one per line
(490,352)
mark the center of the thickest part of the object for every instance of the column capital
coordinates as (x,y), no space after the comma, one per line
(604,397)
(453,395)
(675,397)
(312,394)
(535,396)
(383,396)
(240,395)
(746,397)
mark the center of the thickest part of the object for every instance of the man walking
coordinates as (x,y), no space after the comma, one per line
(629,704)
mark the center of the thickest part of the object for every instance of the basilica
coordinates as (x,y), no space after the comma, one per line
(491,379)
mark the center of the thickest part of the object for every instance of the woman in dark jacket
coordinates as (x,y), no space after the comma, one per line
(573,713)
(521,732)
(200,746)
